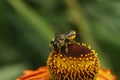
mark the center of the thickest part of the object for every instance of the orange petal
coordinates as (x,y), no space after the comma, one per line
(105,75)
(39,74)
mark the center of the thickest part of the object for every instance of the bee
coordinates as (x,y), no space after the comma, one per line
(62,40)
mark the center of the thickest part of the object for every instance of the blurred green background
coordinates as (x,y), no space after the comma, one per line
(27,26)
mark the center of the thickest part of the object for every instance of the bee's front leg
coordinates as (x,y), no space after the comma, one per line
(59,47)
(66,47)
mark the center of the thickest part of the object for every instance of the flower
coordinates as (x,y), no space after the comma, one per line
(69,60)
(80,63)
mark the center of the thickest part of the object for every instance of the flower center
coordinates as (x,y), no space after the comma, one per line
(79,63)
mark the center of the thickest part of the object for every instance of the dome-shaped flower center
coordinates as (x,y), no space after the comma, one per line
(79,63)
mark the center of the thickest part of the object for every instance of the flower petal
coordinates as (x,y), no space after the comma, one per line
(105,75)
(39,74)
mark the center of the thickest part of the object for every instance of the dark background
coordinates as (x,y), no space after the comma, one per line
(27,26)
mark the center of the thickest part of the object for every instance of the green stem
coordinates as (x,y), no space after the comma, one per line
(34,19)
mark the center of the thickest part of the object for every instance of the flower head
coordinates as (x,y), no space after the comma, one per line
(80,63)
